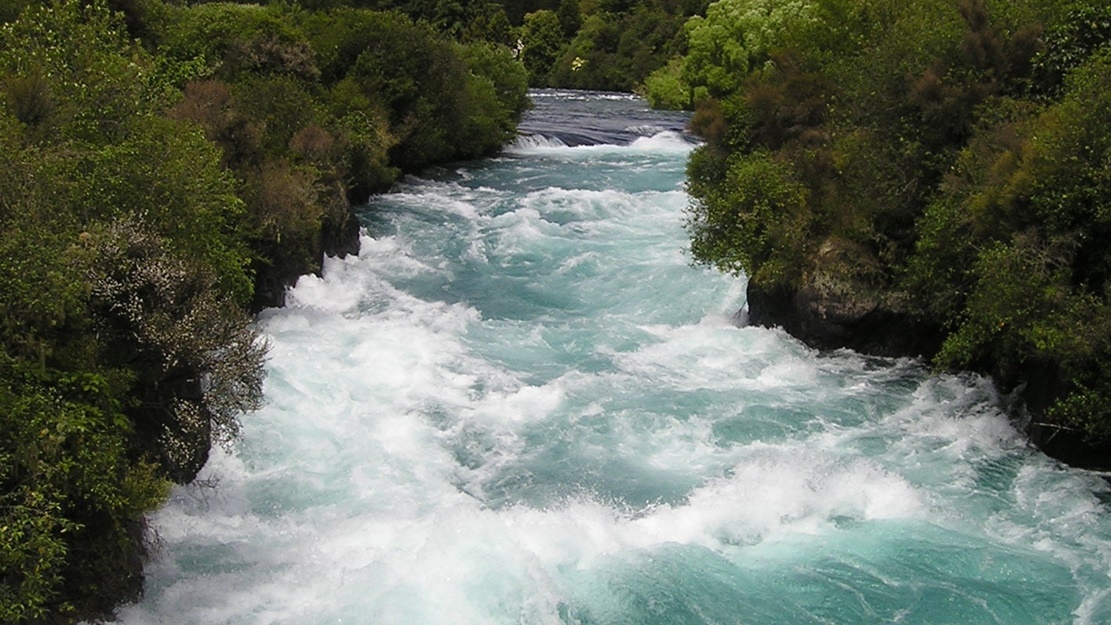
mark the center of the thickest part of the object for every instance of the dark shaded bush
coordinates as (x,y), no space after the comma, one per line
(210,105)
(236,39)
(1069,43)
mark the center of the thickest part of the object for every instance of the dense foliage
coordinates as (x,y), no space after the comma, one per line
(610,45)
(166,168)
(949,162)
(603,44)
(580,44)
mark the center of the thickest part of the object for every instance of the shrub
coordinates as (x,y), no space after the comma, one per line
(197,358)
(71,63)
(1069,43)
(666,89)
(240,38)
(494,70)
(541,39)
(71,501)
(753,221)
(735,37)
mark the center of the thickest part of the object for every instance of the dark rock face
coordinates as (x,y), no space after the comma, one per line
(841,301)
(270,285)
(338,236)
(825,317)
(831,319)
(1069,446)
(1038,386)
(175,428)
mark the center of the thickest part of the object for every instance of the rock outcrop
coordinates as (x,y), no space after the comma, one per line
(838,304)
(338,236)
(833,319)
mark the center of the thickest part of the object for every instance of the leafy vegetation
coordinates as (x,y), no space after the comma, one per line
(953,158)
(601,44)
(582,44)
(167,168)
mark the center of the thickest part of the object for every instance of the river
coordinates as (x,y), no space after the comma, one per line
(521,404)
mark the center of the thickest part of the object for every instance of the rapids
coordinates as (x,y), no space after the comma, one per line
(521,404)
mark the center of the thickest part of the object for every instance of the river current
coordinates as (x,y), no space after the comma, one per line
(521,404)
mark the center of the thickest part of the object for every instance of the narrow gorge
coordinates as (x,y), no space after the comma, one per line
(521,403)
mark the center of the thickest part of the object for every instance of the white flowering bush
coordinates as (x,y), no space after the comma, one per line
(198,357)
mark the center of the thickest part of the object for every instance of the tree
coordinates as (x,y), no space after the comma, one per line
(734,38)
(541,41)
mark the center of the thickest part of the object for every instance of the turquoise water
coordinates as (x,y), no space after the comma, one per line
(521,404)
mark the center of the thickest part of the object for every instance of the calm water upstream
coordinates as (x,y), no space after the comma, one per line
(521,404)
